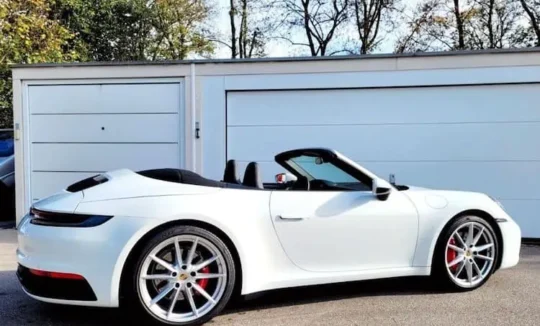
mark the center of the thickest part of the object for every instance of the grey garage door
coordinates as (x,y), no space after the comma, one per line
(83,129)
(477,138)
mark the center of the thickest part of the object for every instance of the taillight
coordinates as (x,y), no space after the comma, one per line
(57,275)
(46,218)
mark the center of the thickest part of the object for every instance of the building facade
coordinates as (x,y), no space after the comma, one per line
(464,121)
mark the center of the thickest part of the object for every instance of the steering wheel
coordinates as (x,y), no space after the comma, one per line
(301,184)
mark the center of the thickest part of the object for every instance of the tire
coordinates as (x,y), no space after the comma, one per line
(473,264)
(181,280)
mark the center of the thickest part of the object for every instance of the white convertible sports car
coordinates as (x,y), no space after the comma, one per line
(176,246)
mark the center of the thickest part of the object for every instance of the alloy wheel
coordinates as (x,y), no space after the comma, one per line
(182,279)
(470,254)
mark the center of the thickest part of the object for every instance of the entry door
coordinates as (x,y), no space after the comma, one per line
(345,231)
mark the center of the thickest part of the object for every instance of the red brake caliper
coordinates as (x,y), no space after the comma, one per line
(203,282)
(451,255)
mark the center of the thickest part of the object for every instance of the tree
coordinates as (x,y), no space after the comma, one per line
(250,25)
(369,16)
(28,36)
(532,11)
(460,25)
(175,29)
(125,30)
(319,21)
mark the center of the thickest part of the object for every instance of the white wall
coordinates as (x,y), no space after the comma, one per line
(218,83)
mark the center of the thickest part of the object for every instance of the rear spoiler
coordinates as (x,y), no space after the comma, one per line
(87,183)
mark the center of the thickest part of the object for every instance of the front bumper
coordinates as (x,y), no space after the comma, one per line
(96,253)
(511,235)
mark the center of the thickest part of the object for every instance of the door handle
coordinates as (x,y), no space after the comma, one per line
(290,218)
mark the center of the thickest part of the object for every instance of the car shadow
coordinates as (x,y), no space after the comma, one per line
(333,292)
(21,309)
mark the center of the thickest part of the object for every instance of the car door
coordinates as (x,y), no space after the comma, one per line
(325,231)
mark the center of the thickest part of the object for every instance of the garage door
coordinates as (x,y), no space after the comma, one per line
(477,138)
(79,130)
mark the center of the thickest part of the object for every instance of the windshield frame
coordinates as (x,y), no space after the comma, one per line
(327,155)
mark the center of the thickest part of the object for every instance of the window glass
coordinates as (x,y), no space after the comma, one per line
(317,169)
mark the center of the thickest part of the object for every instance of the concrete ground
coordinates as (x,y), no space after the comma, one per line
(511,297)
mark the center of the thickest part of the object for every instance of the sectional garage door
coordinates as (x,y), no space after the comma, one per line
(79,130)
(478,138)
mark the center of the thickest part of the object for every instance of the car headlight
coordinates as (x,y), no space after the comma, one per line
(497,202)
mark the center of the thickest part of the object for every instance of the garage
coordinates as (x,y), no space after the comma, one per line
(78,130)
(451,138)
(467,121)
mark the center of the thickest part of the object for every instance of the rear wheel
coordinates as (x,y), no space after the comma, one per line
(466,254)
(185,276)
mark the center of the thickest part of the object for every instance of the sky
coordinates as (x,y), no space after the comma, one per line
(283,49)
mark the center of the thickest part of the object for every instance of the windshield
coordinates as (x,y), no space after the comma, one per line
(316,168)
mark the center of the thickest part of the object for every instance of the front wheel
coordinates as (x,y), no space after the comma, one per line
(466,254)
(185,276)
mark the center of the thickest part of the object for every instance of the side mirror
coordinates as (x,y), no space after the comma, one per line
(285,177)
(381,189)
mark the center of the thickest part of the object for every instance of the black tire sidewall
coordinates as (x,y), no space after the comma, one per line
(440,272)
(133,299)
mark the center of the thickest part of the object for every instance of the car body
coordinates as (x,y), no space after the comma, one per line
(349,226)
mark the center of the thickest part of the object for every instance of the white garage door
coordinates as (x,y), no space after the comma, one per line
(79,130)
(477,138)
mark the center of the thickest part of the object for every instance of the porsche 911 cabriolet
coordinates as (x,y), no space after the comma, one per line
(175,247)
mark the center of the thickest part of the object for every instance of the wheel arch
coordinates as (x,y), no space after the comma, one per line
(136,249)
(481,214)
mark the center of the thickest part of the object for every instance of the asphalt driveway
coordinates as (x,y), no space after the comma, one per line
(511,297)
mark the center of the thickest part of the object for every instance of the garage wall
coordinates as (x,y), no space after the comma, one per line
(78,130)
(477,138)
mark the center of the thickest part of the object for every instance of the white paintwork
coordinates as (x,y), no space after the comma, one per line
(350,225)
(440,137)
(105,98)
(471,76)
(106,128)
(45,181)
(74,125)
(214,130)
(501,81)
(342,236)
(82,157)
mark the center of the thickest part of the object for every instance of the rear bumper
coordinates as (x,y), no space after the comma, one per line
(96,253)
(50,288)
(511,234)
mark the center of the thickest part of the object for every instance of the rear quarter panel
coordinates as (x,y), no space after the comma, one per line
(243,215)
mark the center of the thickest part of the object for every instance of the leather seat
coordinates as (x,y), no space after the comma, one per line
(231,175)
(252,177)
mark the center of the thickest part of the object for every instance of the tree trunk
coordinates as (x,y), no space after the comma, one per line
(490,24)
(232,14)
(459,23)
(305,5)
(534,21)
(243,31)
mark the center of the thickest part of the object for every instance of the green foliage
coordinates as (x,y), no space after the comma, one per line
(127,30)
(36,31)
(28,36)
